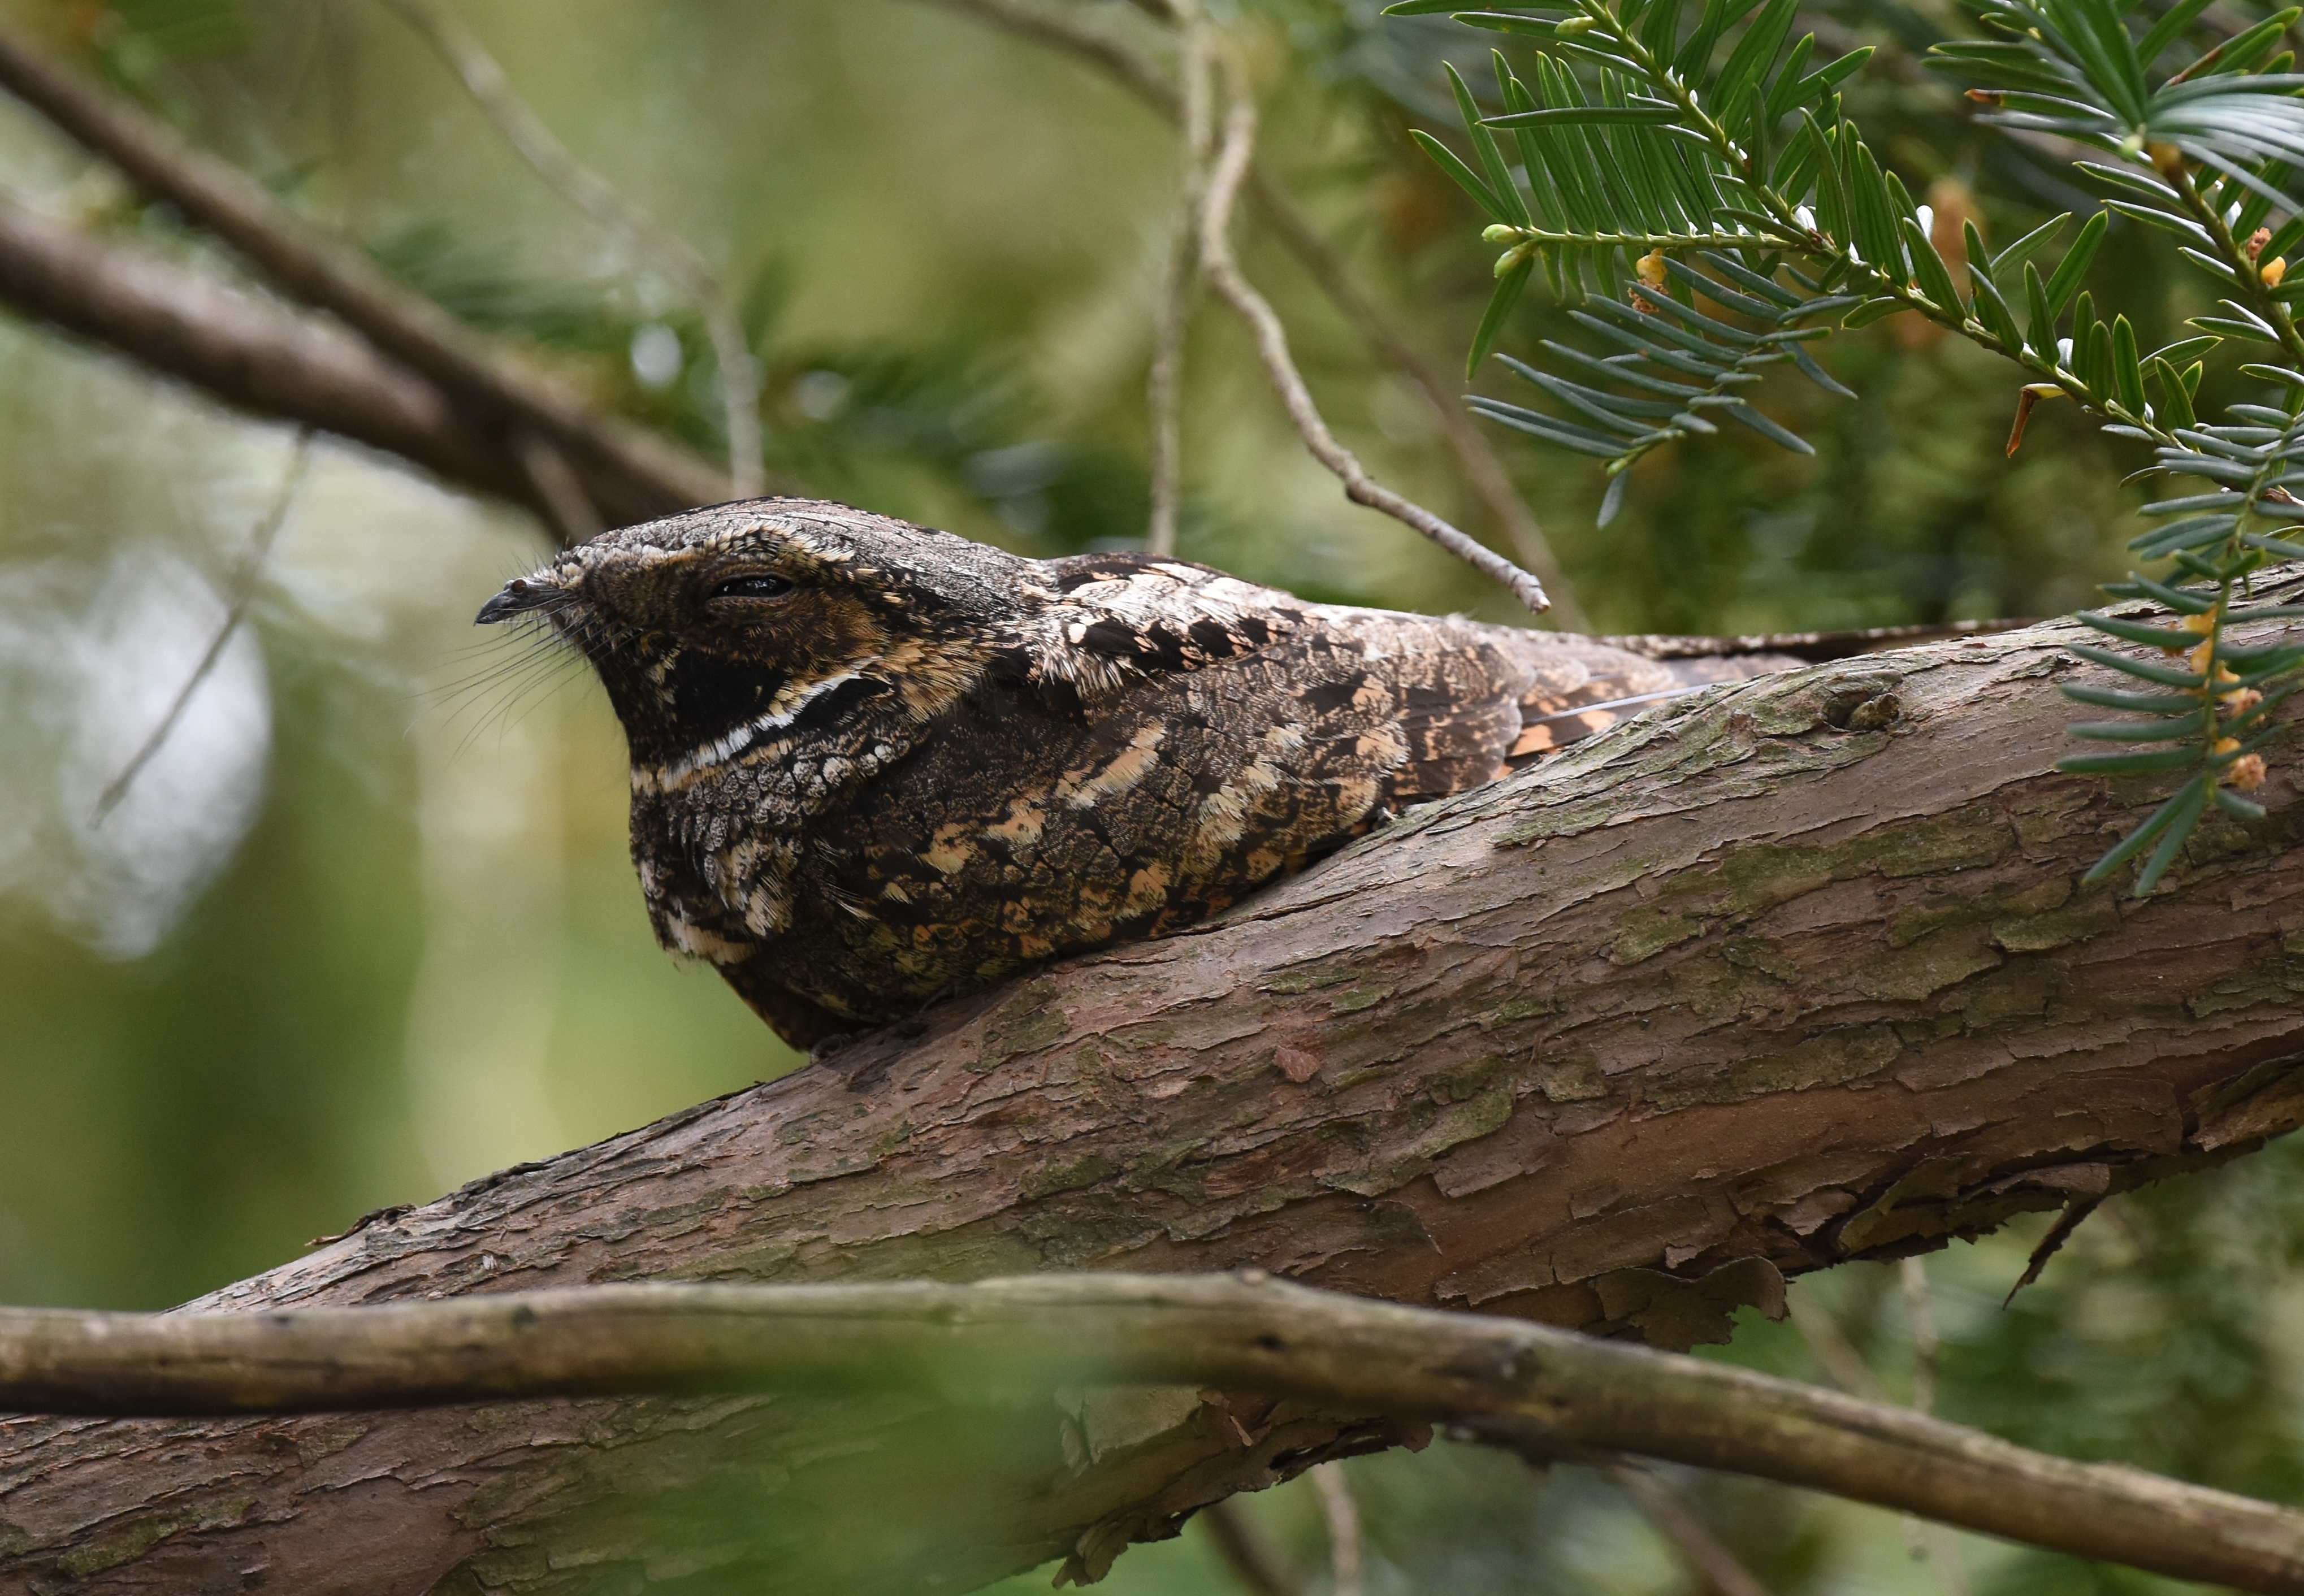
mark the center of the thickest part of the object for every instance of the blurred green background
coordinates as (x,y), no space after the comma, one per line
(365,928)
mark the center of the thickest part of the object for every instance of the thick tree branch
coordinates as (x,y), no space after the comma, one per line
(1539,1390)
(629,474)
(1787,973)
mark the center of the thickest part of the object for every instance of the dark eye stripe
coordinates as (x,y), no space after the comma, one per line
(758,585)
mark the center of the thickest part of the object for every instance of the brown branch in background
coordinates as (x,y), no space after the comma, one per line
(1482,465)
(243,593)
(1164,388)
(1115,55)
(243,350)
(1669,1517)
(1252,1558)
(1222,269)
(629,473)
(641,234)
(1342,1515)
(1538,1390)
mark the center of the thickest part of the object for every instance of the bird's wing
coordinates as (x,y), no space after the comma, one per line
(1110,620)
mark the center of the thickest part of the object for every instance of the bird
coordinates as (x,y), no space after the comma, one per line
(875,765)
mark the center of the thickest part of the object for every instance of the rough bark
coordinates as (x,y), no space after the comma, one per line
(1782,974)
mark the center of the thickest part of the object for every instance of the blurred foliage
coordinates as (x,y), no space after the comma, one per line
(415,951)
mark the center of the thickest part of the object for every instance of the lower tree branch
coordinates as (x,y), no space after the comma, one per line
(1786,973)
(1542,1392)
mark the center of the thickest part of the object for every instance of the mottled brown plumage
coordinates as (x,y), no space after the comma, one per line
(875,765)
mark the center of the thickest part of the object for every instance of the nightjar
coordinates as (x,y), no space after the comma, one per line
(875,765)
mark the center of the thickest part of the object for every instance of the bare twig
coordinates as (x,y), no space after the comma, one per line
(640,233)
(1443,396)
(243,593)
(629,473)
(1661,1506)
(1482,465)
(1539,1390)
(2075,1214)
(1343,1515)
(1253,1560)
(1222,269)
(1164,388)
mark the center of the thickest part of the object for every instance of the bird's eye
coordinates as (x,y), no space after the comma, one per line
(759,585)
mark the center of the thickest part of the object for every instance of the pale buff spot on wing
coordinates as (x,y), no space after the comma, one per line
(1083,786)
(1148,890)
(949,849)
(1383,747)
(688,937)
(1026,819)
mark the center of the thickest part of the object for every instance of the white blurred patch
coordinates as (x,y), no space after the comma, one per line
(89,663)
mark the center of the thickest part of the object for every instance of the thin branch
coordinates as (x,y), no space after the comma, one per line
(1222,268)
(1252,1558)
(1343,1515)
(640,233)
(1670,1516)
(243,593)
(1539,1390)
(630,474)
(1481,464)
(1163,389)
(1113,56)
(1441,393)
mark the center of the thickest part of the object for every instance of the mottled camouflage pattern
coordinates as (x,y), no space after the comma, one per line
(929,763)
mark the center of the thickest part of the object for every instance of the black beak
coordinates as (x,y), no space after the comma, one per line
(518,596)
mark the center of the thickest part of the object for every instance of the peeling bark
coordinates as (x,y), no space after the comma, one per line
(1786,974)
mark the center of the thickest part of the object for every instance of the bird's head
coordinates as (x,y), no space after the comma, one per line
(717,630)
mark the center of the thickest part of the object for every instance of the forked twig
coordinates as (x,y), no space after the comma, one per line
(1145,79)
(243,593)
(589,191)
(1222,269)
